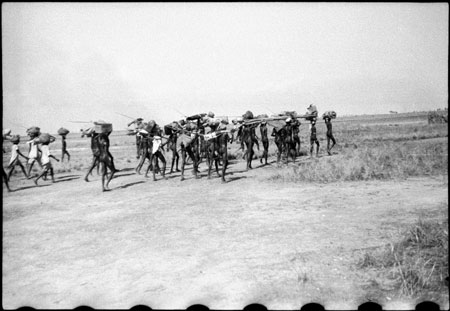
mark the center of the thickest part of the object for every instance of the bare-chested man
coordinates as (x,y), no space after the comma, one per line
(330,136)
(314,138)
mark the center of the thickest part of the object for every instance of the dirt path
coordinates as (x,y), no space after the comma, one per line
(170,244)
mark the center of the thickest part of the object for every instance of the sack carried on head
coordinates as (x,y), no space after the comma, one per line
(15,139)
(224,120)
(46,138)
(191,126)
(248,115)
(311,113)
(213,122)
(34,131)
(63,131)
(329,114)
(6,132)
(168,129)
(196,117)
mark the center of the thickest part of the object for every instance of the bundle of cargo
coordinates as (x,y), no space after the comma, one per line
(292,114)
(102,127)
(311,113)
(224,120)
(248,115)
(45,138)
(329,114)
(63,131)
(196,116)
(191,126)
(168,129)
(213,122)
(33,131)
(184,141)
(171,128)
(15,139)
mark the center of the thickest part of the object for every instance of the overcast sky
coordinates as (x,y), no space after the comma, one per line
(90,61)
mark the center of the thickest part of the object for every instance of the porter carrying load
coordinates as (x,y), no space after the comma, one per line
(248,115)
(33,131)
(63,131)
(102,127)
(311,113)
(45,138)
(329,114)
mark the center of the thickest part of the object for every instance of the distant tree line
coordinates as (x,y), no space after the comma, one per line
(439,116)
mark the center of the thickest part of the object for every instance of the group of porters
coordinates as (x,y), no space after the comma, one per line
(200,136)
(38,152)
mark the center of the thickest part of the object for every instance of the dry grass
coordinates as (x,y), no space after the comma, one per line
(376,152)
(417,262)
(386,161)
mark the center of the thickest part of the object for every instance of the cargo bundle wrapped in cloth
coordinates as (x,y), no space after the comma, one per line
(329,114)
(171,128)
(45,139)
(184,140)
(33,131)
(196,117)
(292,114)
(63,131)
(213,122)
(311,113)
(15,139)
(248,115)
(6,132)
(224,120)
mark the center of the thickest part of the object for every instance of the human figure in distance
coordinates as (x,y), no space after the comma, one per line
(138,125)
(330,136)
(288,140)
(64,149)
(296,132)
(46,164)
(105,159)
(34,154)
(265,141)
(15,161)
(314,138)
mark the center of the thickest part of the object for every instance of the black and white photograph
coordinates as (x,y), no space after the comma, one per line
(225,155)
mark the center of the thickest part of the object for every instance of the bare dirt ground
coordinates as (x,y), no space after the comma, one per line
(171,244)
